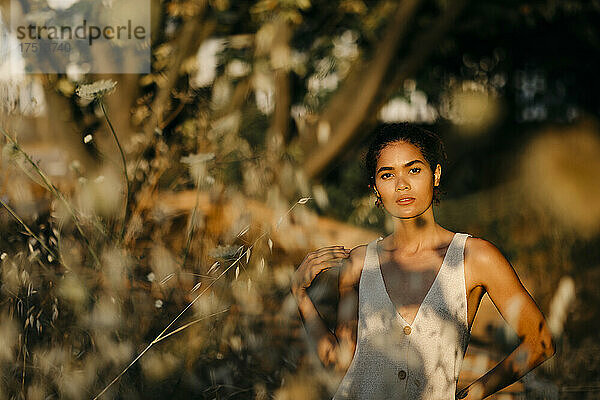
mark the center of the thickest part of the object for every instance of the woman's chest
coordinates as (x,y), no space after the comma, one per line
(408,283)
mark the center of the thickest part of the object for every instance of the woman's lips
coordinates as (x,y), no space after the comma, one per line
(405,201)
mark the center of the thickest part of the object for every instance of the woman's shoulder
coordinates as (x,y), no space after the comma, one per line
(480,249)
(483,259)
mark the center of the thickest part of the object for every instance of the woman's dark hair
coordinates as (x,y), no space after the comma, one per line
(429,143)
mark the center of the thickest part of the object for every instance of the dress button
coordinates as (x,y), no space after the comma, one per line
(402,374)
(407,330)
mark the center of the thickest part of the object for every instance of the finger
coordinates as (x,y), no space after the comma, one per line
(331,255)
(320,254)
(325,265)
(327,249)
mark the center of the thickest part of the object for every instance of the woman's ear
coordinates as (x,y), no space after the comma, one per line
(437,175)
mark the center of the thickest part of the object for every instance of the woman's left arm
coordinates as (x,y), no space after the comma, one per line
(490,269)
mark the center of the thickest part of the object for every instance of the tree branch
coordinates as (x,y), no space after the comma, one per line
(361,113)
(346,110)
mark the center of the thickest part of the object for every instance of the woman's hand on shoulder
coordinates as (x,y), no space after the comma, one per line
(351,267)
(316,262)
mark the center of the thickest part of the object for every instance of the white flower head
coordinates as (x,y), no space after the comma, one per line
(207,61)
(194,159)
(96,90)
(197,166)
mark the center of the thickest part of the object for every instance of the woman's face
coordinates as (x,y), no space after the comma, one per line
(401,172)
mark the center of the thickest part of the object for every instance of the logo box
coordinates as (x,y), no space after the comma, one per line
(87,36)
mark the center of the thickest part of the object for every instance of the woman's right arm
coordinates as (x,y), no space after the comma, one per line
(322,339)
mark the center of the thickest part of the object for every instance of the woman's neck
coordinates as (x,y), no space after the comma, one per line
(411,236)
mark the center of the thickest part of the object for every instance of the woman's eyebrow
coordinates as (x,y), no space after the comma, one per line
(408,164)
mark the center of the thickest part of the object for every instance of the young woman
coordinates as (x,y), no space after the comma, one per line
(407,301)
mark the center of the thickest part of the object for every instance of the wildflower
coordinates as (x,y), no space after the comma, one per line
(237,68)
(96,90)
(197,166)
(194,159)
(207,61)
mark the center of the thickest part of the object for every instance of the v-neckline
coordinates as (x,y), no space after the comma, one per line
(387,294)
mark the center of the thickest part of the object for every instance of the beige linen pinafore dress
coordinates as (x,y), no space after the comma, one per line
(395,360)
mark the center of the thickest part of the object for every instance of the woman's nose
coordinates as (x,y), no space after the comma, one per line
(402,185)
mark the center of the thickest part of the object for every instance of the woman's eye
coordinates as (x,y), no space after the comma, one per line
(417,169)
(383,175)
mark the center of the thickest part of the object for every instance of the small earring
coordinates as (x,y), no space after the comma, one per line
(378,201)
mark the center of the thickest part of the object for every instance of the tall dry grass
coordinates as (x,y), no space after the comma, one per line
(106,294)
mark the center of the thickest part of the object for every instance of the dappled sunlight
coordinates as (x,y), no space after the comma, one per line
(513,311)
(559,306)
